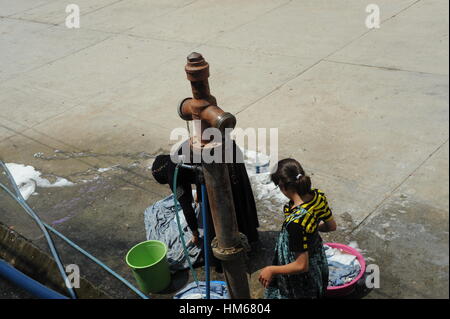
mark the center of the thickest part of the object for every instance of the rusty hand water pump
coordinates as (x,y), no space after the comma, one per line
(202,106)
(229,244)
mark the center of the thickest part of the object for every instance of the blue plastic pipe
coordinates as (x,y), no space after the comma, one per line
(38,221)
(205,238)
(28,210)
(26,283)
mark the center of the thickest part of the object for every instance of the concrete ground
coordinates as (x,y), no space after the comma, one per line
(364,110)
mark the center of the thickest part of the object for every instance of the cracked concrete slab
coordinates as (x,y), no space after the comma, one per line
(98,128)
(412,33)
(8,8)
(307,29)
(24,148)
(237,80)
(84,75)
(5,133)
(54,12)
(253,71)
(123,15)
(59,86)
(9,129)
(188,23)
(21,95)
(430,182)
(28,45)
(52,156)
(347,119)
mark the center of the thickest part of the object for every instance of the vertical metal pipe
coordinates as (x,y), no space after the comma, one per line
(197,71)
(203,107)
(225,224)
(236,277)
(221,203)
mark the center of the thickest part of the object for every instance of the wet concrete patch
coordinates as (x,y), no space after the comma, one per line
(408,240)
(103,216)
(9,291)
(108,229)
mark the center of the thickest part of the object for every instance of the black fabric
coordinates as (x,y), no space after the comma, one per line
(297,241)
(296,237)
(244,202)
(185,180)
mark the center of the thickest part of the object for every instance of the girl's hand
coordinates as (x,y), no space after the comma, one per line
(265,277)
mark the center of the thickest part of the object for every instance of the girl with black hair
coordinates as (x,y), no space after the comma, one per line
(300,268)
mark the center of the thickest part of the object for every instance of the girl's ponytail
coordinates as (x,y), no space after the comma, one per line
(303,185)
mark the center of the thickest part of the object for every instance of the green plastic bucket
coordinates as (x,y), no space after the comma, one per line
(149,264)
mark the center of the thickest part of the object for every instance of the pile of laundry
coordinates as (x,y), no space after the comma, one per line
(218,290)
(161,224)
(343,267)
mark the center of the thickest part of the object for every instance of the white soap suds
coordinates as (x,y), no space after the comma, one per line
(105,169)
(266,193)
(28,178)
(268,197)
(256,162)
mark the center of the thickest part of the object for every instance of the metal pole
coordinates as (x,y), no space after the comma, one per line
(229,245)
